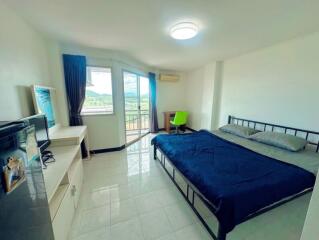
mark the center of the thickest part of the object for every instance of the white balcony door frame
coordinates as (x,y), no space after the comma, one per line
(139,120)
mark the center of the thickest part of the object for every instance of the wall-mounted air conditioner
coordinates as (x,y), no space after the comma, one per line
(168,77)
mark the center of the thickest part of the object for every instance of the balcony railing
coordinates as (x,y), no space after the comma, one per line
(132,120)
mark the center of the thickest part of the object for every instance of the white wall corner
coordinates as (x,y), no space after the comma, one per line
(218,80)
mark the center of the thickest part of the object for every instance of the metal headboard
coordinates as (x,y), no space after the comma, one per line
(311,136)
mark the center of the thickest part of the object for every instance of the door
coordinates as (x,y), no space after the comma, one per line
(136,94)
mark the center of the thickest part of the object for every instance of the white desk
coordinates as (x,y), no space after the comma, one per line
(63,136)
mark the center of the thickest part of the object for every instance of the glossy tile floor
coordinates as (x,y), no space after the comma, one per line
(127,195)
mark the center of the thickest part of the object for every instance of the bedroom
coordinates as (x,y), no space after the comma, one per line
(254,60)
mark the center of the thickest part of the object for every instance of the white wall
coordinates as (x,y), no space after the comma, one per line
(203,93)
(217,91)
(194,92)
(57,77)
(278,84)
(23,62)
(170,97)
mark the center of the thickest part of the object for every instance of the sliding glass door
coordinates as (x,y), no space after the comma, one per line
(136,94)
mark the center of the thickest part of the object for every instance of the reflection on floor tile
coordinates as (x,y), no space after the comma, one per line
(147,202)
(127,195)
(180,215)
(170,236)
(192,232)
(155,224)
(95,199)
(130,230)
(93,219)
(122,211)
(99,234)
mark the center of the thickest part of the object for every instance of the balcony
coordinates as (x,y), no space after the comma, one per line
(136,124)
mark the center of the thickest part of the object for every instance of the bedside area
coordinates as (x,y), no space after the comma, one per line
(64,177)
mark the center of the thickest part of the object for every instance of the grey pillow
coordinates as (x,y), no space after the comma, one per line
(238,130)
(280,140)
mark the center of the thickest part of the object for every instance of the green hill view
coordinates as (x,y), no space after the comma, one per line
(95,100)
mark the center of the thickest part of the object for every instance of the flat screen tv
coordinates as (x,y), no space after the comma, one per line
(43,103)
(40,124)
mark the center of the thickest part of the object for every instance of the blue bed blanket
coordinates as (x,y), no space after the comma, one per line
(236,180)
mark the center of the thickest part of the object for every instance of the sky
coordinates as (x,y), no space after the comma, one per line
(102,82)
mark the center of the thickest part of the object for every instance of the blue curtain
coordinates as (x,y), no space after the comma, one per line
(75,83)
(154,121)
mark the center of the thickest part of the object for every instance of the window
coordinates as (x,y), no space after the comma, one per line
(98,94)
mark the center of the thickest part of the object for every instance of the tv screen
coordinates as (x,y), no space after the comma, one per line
(43,103)
(41,130)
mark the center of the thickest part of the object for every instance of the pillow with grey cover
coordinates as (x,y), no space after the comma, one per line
(280,140)
(238,130)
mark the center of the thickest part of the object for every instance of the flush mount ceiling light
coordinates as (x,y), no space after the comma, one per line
(184,30)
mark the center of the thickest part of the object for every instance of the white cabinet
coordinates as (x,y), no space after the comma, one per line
(63,180)
(76,182)
(63,219)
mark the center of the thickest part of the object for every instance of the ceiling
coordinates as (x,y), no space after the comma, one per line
(140,28)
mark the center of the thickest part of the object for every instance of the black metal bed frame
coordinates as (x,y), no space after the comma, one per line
(190,197)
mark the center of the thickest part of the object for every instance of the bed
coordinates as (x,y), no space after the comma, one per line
(237,179)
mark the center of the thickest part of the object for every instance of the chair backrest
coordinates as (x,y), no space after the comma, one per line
(180,117)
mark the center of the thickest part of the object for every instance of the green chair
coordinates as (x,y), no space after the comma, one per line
(179,119)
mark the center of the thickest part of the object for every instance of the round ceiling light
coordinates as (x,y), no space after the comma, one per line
(184,30)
